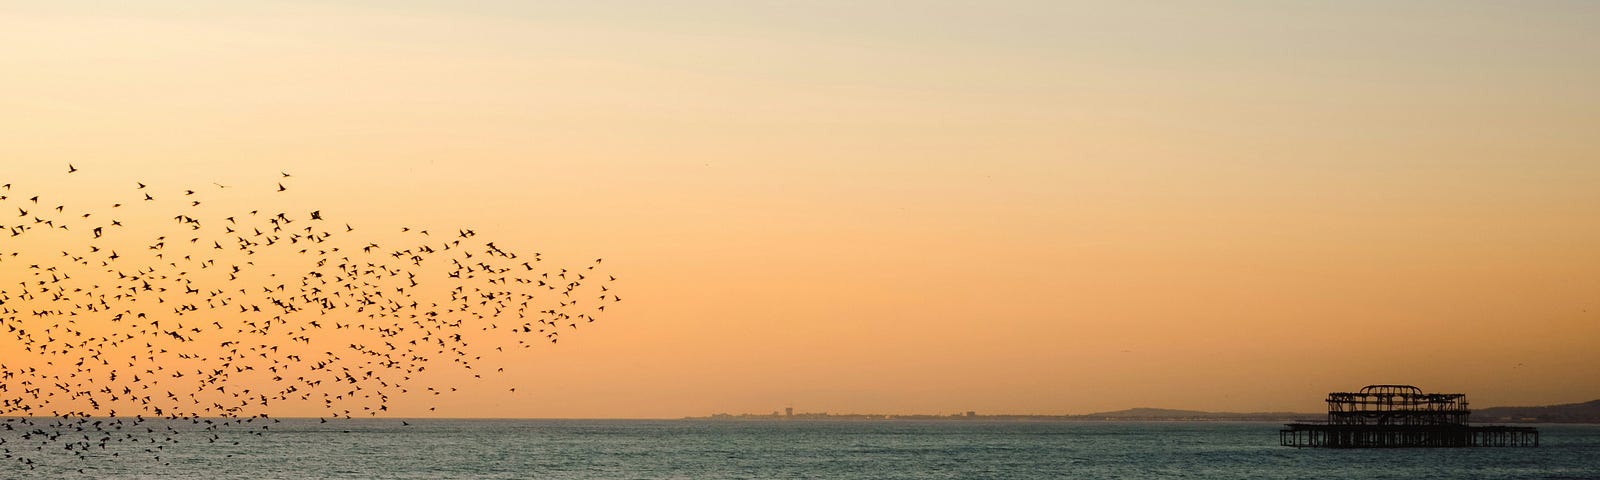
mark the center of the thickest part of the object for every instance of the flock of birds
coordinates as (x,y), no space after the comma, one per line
(124,319)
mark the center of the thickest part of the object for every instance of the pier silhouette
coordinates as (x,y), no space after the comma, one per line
(1401,416)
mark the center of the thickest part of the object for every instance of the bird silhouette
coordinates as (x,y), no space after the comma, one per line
(242,316)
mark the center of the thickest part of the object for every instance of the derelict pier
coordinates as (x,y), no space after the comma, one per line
(1401,416)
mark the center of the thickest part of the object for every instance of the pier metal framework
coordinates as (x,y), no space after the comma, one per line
(1393,416)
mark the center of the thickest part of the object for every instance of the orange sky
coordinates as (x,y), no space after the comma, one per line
(902,207)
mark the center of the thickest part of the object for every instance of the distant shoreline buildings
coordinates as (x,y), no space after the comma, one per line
(1586,412)
(1146,414)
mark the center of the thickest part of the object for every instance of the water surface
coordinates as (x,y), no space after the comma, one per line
(696,449)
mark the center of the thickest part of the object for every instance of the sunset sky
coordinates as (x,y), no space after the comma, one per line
(1043,207)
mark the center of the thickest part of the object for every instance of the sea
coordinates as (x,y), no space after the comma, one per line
(775,449)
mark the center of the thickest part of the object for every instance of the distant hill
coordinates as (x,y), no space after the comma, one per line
(1192,415)
(1586,412)
(1153,413)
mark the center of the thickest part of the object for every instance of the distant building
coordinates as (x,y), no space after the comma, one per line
(788,411)
(971,413)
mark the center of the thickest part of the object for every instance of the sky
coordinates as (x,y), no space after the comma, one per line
(932,207)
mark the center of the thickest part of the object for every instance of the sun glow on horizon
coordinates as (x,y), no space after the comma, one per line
(1023,207)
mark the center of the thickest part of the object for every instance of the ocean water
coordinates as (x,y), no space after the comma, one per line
(699,449)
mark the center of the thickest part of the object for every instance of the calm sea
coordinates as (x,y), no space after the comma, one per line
(593,449)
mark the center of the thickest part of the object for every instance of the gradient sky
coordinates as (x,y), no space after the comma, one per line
(907,207)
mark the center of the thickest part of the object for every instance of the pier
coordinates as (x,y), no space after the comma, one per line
(1401,416)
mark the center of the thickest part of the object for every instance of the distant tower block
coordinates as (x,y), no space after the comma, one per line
(1399,416)
(788,411)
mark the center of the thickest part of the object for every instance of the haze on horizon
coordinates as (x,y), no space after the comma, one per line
(905,207)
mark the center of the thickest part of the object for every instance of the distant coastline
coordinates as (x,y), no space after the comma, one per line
(1136,414)
(1586,412)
